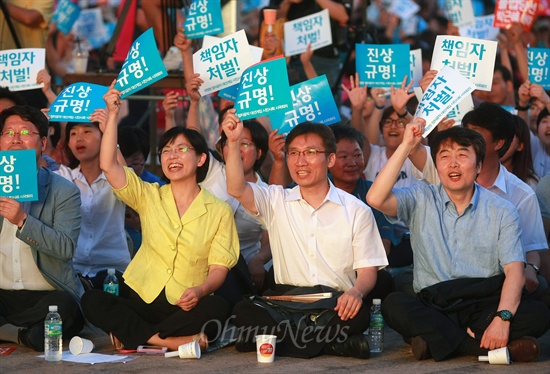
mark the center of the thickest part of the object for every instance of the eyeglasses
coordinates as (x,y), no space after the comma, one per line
(23,134)
(244,145)
(179,151)
(397,122)
(308,153)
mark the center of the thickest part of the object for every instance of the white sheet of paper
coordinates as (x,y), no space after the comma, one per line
(416,67)
(92,358)
(308,27)
(464,8)
(33,68)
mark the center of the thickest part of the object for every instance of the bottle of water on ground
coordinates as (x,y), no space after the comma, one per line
(376,329)
(110,284)
(53,335)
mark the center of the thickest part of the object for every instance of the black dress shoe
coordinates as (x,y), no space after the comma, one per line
(420,349)
(524,349)
(355,346)
(32,338)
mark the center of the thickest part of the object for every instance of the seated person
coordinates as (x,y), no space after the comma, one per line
(319,235)
(468,257)
(37,242)
(189,245)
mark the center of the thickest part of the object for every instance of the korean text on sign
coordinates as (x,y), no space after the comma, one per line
(539,65)
(460,12)
(77,102)
(204,17)
(381,65)
(481,29)
(19,68)
(314,29)
(508,12)
(18,175)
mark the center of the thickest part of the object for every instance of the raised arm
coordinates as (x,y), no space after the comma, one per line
(357,97)
(184,45)
(400,97)
(279,172)
(113,169)
(236,183)
(380,195)
(193,116)
(305,59)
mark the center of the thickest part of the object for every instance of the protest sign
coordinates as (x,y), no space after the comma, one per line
(90,27)
(204,17)
(538,62)
(264,90)
(19,68)
(231,92)
(404,9)
(18,175)
(481,29)
(416,66)
(518,11)
(77,101)
(312,101)
(381,65)
(447,89)
(460,13)
(222,63)
(473,58)
(314,29)
(66,14)
(142,67)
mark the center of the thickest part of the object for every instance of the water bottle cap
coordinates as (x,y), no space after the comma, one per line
(376,301)
(52,308)
(111,271)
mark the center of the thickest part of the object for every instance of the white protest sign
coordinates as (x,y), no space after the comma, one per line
(404,9)
(416,66)
(463,107)
(257,52)
(313,29)
(481,29)
(446,90)
(473,58)
(90,25)
(19,68)
(222,63)
(461,13)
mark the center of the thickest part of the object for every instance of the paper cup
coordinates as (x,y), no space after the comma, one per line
(79,346)
(499,356)
(80,60)
(265,347)
(270,15)
(189,350)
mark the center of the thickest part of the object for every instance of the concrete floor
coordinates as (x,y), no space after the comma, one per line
(396,358)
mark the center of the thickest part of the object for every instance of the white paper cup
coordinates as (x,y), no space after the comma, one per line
(189,350)
(79,346)
(499,356)
(80,60)
(265,347)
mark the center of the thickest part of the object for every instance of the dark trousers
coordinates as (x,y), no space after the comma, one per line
(444,331)
(27,308)
(134,322)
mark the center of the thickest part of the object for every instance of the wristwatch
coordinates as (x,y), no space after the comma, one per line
(505,315)
(537,270)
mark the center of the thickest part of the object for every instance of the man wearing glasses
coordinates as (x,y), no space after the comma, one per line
(319,235)
(37,242)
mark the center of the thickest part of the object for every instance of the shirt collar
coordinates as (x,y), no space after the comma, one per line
(332,195)
(500,181)
(76,173)
(474,202)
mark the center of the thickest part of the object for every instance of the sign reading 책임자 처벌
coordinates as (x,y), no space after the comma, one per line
(142,67)
(312,101)
(481,29)
(460,13)
(473,58)
(19,68)
(18,175)
(77,101)
(314,30)
(204,17)
(382,65)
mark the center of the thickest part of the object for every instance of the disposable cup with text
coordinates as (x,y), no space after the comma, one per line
(265,347)
(189,350)
(499,356)
(79,346)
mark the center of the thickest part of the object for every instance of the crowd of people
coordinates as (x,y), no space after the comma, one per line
(449,231)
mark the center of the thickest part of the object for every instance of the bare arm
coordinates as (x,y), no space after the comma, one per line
(44,77)
(29,17)
(350,302)
(357,97)
(214,280)
(336,11)
(279,172)
(193,116)
(305,59)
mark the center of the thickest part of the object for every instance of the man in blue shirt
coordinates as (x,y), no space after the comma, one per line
(468,258)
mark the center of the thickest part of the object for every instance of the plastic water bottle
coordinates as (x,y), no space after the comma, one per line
(110,284)
(53,339)
(376,328)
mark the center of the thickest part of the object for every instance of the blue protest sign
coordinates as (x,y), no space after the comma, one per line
(381,65)
(258,86)
(312,101)
(204,17)
(18,175)
(77,101)
(66,15)
(230,93)
(143,66)
(539,64)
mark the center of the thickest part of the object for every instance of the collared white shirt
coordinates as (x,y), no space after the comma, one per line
(378,158)
(318,246)
(102,241)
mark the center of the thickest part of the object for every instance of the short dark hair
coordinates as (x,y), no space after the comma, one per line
(72,161)
(386,114)
(543,113)
(498,121)
(462,136)
(131,140)
(342,131)
(28,113)
(326,134)
(260,138)
(504,71)
(17,99)
(197,141)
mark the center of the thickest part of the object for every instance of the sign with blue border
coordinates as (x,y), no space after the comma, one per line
(18,178)
(77,101)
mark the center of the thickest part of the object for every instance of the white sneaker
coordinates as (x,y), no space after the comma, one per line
(172,59)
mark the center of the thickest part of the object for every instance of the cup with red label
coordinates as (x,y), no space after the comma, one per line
(265,347)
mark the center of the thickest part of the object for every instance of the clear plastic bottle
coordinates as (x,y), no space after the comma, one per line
(110,284)
(53,335)
(376,329)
